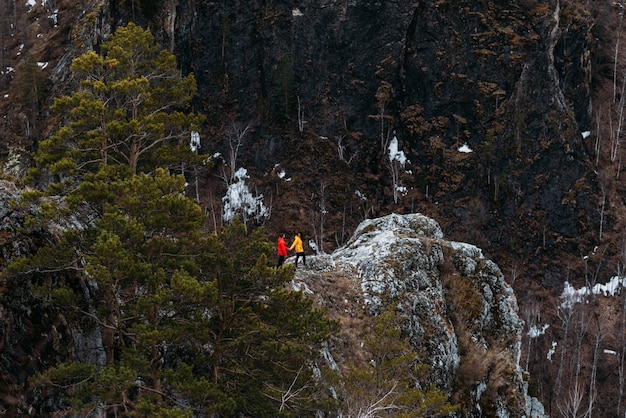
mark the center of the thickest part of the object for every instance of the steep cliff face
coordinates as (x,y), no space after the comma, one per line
(462,316)
(509,80)
(325,87)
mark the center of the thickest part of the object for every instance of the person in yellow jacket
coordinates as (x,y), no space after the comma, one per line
(297,244)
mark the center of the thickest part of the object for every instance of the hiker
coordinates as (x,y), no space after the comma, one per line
(282,250)
(297,244)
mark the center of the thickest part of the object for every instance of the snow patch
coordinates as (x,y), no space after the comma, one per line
(395,154)
(535,332)
(465,149)
(194,142)
(54,17)
(551,351)
(572,295)
(239,200)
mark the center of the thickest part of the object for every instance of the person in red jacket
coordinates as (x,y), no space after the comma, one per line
(282,250)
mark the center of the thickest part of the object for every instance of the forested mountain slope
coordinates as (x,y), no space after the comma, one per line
(501,120)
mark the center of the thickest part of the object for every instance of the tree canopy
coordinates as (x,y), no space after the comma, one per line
(183,323)
(390,385)
(130,109)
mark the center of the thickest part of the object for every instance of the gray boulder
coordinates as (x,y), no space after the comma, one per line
(460,311)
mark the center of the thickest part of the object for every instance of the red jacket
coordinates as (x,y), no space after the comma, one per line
(282,247)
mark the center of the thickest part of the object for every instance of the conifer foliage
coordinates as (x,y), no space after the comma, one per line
(183,323)
(390,385)
(131,103)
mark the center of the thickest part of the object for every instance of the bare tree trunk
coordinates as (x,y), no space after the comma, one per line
(565,313)
(196,185)
(599,337)
(615,58)
(598,137)
(301,120)
(620,121)
(235,136)
(622,353)
(581,331)
(323,213)
(604,182)
(531,316)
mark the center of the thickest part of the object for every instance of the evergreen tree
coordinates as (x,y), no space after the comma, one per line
(189,324)
(132,102)
(390,386)
(184,318)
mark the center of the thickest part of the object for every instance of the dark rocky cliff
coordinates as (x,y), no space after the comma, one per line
(510,80)
(326,86)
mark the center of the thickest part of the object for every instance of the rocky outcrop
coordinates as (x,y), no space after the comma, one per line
(461,313)
(15,239)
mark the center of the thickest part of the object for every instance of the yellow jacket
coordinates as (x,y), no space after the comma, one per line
(297,243)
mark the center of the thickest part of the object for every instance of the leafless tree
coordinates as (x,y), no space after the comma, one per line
(532,315)
(340,236)
(301,120)
(213,214)
(341,149)
(565,313)
(621,349)
(604,183)
(571,406)
(618,37)
(323,213)
(286,395)
(616,136)
(600,334)
(234,138)
(514,273)
(383,96)
(380,406)
(598,137)
(580,331)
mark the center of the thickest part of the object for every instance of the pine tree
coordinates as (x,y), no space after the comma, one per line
(132,103)
(189,324)
(390,386)
(184,318)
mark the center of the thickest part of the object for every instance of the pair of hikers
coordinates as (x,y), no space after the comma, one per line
(282,249)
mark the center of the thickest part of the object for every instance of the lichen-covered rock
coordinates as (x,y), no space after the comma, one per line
(460,310)
(32,331)
(13,241)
